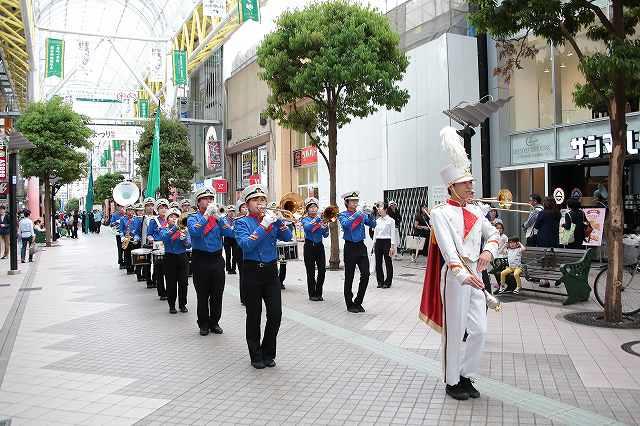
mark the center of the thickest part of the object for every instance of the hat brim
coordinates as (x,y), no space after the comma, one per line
(463,180)
(255,195)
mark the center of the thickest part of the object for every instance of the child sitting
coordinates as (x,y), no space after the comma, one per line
(514,254)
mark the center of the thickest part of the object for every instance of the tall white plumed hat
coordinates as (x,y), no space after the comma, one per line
(458,169)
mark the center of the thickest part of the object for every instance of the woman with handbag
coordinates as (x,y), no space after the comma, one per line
(576,220)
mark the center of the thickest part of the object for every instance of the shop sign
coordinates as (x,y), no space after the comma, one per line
(213,151)
(595,216)
(3,160)
(220,186)
(55,57)
(305,157)
(254,179)
(594,146)
(213,8)
(558,195)
(533,147)
(179,67)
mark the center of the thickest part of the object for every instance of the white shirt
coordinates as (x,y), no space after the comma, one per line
(25,228)
(515,257)
(502,245)
(385,229)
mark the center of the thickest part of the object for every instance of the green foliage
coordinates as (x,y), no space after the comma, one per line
(72,204)
(176,160)
(559,22)
(103,186)
(57,133)
(339,56)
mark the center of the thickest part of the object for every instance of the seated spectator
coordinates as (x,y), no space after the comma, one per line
(514,254)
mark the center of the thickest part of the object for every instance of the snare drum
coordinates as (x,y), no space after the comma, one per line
(287,250)
(140,257)
(158,257)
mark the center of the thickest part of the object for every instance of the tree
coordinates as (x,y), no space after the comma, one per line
(103,186)
(57,133)
(611,78)
(176,160)
(326,64)
(73,204)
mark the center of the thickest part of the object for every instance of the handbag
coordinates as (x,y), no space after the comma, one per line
(567,236)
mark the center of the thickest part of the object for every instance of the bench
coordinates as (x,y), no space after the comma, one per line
(560,266)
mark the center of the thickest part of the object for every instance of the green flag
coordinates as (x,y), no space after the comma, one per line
(249,9)
(153,178)
(89,202)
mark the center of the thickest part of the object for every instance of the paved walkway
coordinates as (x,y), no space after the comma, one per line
(82,343)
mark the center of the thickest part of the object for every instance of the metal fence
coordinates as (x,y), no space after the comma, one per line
(408,201)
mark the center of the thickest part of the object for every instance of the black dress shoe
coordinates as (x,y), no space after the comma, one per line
(231,272)
(387,285)
(183,309)
(353,309)
(320,299)
(123,267)
(282,287)
(259,365)
(150,285)
(173,311)
(467,385)
(163,297)
(204,331)
(359,308)
(130,272)
(269,363)
(380,285)
(457,392)
(216,329)
(313,298)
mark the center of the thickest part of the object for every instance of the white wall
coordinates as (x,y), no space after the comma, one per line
(392,150)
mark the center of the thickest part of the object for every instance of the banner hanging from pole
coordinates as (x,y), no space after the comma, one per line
(179,67)
(249,10)
(143,108)
(55,58)
(156,73)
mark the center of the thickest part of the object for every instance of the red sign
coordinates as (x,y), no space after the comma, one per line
(253,179)
(220,185)
(305,157)
(3,160)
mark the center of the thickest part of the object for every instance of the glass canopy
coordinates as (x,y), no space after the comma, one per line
(105,40)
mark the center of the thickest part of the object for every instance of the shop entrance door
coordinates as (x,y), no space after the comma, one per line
(521,181)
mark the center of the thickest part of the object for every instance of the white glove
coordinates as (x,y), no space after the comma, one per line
(268,220)
(212,208)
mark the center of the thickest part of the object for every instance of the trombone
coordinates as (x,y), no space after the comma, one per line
(504,199)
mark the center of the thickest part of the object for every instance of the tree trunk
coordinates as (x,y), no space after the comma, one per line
(334,258)
(47,210)
(614,226)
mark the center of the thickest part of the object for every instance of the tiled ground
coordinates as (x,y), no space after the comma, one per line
(95,347)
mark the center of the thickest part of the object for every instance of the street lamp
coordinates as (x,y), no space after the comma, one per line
(17,141)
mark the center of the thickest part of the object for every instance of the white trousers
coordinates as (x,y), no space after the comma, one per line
(464,309)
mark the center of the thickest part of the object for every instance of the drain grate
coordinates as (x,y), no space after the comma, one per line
(29,289)
(629,347)
(596,319)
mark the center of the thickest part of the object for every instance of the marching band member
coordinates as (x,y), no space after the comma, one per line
(355,252)
(257,234)
(206,231)
(153,234)
(314,231)
(128,229)
(149,205)
(174,205)
(241,209)
(185,206)
(230,250)
(176,241)
(453,298)
(114,222)
(138,222)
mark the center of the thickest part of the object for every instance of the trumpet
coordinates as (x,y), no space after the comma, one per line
(290,207)
(330,214)
(504,199)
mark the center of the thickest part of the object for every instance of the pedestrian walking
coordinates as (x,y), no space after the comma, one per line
(27,235)
(5,227)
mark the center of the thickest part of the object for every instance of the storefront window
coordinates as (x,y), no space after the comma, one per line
(307,175)
(532,91)
(252,167)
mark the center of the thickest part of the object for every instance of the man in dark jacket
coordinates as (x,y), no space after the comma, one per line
(5,224)
(74,224)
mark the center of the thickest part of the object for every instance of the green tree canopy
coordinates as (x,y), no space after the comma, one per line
(326,64)
(103,186)
(58,134)
(73,204)
(176,160)
(612,77)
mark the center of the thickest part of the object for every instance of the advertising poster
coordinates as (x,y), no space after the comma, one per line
(246,168)
(212,152)
(595,216)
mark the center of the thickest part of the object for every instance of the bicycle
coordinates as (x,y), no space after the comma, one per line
(630,291)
